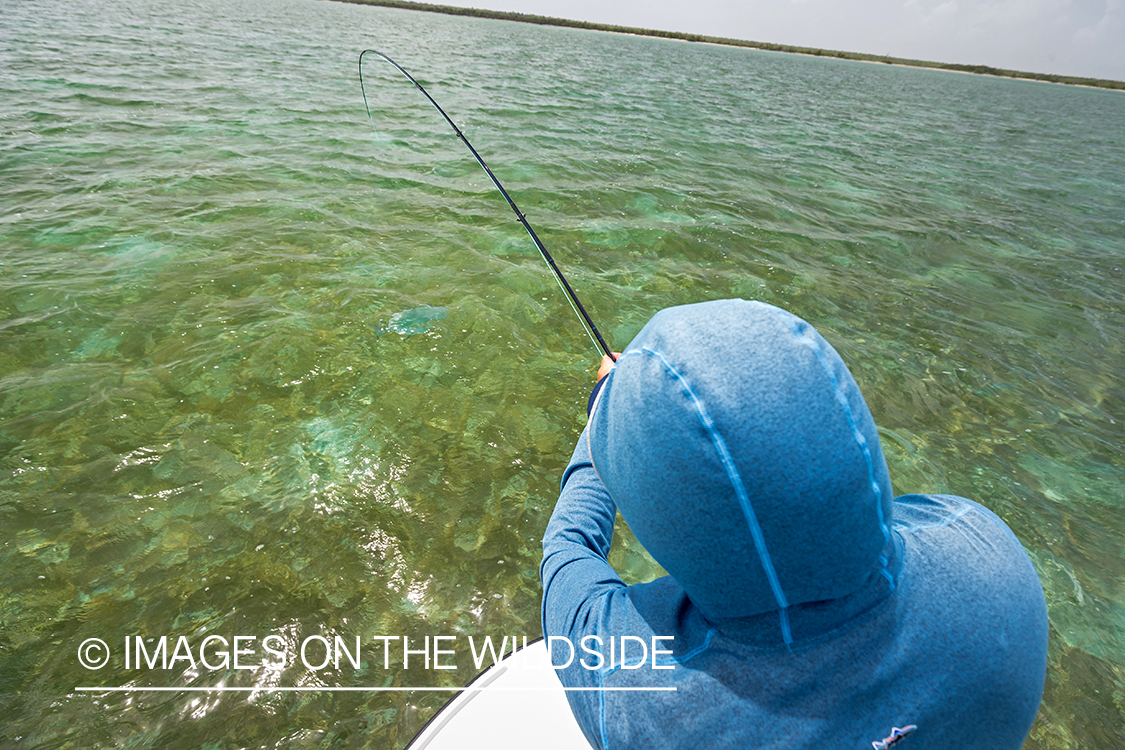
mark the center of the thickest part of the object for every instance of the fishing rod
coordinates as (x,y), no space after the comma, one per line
(579,310)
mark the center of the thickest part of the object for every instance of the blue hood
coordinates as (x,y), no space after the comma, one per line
(741,453)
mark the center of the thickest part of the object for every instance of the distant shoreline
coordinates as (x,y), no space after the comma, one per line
(1100,83)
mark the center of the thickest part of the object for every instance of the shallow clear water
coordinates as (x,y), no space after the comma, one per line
(264,372)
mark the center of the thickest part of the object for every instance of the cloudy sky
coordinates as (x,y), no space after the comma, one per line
(1067,37)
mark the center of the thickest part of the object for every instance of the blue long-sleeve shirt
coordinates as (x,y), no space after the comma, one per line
(940,643)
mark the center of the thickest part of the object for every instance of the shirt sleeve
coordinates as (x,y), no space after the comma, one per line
(580,587)
(575,572)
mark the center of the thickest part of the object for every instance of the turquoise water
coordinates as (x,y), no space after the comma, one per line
(264,372)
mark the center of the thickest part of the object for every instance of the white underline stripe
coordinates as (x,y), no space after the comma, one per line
(469,689)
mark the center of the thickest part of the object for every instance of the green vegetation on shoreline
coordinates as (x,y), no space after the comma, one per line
(547,21)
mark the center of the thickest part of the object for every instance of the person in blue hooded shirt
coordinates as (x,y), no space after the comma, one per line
(805,606)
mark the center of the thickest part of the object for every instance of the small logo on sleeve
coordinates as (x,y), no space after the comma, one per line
(896,735)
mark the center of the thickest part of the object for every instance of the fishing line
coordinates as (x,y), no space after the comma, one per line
(579,310)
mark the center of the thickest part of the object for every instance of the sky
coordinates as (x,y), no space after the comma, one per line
(1066,37)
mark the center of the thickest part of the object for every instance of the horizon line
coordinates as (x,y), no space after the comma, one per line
(1108,84)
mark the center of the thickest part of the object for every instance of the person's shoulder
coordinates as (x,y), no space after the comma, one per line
(973,605)
(913,513)
(963,564)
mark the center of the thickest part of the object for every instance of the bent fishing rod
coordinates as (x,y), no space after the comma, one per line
(579,310)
